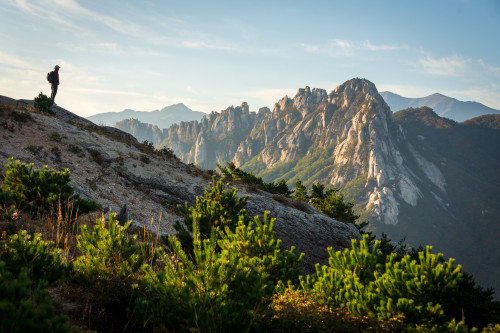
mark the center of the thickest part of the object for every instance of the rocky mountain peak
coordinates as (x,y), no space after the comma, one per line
(264,111)
(305,100)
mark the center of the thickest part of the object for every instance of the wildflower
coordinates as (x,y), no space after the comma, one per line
(14,214)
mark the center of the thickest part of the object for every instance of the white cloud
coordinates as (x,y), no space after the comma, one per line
(13,61)
(447,66)
(343,47)
(456,66)
(67,12)
(487,95)
(309,48)
(367,45)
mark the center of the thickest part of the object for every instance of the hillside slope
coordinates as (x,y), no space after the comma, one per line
(110,167)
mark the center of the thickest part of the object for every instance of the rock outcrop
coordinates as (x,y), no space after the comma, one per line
(215,138)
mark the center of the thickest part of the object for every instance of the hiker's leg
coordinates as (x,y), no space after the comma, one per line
(54,91)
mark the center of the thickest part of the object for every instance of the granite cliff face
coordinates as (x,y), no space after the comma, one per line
(215,138)
(397,168)
(142,131)
(335,138)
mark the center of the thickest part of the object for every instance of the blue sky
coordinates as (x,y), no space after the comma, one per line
(145,55)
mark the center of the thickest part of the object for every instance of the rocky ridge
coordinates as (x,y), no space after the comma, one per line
(110,167)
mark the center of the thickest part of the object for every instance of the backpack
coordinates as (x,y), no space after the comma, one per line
(49,77)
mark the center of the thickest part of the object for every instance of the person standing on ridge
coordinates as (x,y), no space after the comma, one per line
(54,82)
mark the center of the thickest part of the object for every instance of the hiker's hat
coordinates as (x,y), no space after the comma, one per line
(57,66)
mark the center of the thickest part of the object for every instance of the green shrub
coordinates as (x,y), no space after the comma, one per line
(214,291)
(331,202)
(356,280)
(43,104)
(259,242)
(220,207)
(54,136)
(231,172)
(74,149)
(144,159)
(300,192)
(41,258)
(168,152)
(110,255)
(24,308)
(41,191)
(35,150)
(20,116)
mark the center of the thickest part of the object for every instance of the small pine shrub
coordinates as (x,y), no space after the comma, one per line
(219,208)
(144,159)
(231,172)
(43,104)
(41,191)
(74,149)
(359,281)
(215,290)
(148,146)
(168,152)
(20,116)
(54,136)
(258,243)
(41,258)
(24,308)
(35,150)
(110,255)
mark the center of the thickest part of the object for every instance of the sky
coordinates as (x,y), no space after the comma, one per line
(209,55)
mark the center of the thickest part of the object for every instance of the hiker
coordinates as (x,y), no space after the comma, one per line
(55,81)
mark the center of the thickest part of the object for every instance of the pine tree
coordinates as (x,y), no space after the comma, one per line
(300,192)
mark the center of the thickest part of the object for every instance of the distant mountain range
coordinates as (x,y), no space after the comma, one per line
(163,118)
(443,105)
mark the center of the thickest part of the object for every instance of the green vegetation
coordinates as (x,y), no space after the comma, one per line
(24,308)
(35,150)
(20,116)
(330,201)
(231,172)
(367,284)
(43,104)
(54,136)
(40,191)
(225,271)
(44,262)
(219,208)
(26,269)
(74,149)
(110,255)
